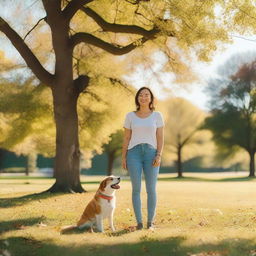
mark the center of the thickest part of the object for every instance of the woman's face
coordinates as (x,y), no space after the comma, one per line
(144,97)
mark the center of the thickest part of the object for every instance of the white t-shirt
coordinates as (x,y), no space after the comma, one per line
(143,129)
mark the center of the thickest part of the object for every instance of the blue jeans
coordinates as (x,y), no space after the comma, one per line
(139,158)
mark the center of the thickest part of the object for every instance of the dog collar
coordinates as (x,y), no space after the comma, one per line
(105,197)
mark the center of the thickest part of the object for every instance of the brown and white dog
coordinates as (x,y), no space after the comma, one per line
(102,206)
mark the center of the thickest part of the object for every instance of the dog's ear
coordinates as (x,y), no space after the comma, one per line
(103,184)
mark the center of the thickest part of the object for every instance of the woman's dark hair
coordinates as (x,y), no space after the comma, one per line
(151,104)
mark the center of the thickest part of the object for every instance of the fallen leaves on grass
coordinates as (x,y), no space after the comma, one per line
(19,226)
(210,253)
(5,253)
(41,225)
(33,242)
(253,253)
(203,223)
(131,228)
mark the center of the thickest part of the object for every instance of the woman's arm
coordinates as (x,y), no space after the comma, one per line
(127,137)
(160,145)
(160,140)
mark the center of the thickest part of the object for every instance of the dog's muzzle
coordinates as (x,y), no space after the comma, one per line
(116,186)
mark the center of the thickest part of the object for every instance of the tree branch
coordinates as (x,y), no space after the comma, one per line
(33,28)
(73,6)
(122,83)
(81,83)
(30,59)
(119,28)
(113,49)
(243,11)
(134,2)
(188,138)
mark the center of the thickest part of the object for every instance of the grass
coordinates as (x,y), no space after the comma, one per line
(196,216)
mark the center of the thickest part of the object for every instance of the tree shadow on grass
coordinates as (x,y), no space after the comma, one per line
(145,246)
(238,179)
(19,201)
(90,182)
(26,178)
(189,178)
(88,230)
(18,224)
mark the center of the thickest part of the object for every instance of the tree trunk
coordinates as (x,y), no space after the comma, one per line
(179,163)
(31,163)
(252,164)
(2,152)
(67,159)
(111,158)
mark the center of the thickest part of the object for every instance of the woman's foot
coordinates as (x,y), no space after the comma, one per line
(139,226)
(134,228)
(150,226)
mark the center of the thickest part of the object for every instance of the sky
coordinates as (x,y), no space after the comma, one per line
(163,87)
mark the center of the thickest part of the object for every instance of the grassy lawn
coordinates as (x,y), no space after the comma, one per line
(201,215)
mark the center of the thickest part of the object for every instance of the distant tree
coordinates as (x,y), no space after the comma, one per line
(27,125)
(113,149)
(183,121)
(233,111)
(31,163)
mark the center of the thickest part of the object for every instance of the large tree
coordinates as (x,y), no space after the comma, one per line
(122,26)
(233,110)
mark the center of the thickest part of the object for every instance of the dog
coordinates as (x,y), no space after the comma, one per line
(102,206)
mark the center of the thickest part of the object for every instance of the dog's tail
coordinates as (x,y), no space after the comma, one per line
(68,228)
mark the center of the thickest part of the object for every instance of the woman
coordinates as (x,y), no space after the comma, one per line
(142,150)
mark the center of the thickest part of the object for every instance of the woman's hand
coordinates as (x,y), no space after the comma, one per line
(124,164)
(157,161)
